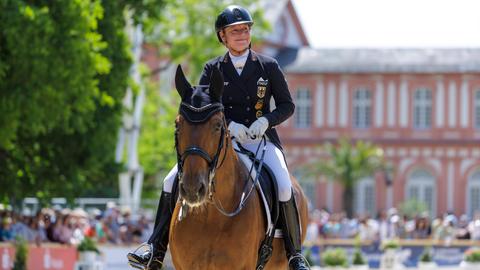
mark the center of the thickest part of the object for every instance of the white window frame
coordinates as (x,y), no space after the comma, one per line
(422,108)
(476,109)
(473,182)
(303,108)
(422,179)
(362,108)
(364,204)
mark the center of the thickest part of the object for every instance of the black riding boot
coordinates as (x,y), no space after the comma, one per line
(158,240)
(291,235)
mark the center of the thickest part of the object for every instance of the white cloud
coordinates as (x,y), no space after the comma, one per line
(391,23)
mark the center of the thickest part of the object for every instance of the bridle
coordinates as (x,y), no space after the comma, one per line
(208,110)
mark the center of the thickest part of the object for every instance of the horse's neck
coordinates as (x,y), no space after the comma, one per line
(230,181)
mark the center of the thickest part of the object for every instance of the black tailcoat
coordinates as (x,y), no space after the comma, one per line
(246,97)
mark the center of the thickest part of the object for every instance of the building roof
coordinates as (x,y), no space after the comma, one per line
(309,60)
(273,9)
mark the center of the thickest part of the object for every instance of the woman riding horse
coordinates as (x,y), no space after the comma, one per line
(251,80)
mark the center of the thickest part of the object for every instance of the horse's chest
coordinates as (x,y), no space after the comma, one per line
(231,245)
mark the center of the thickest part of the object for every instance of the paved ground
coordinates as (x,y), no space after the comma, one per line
(116,260)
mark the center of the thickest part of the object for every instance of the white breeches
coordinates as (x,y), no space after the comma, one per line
(273,158)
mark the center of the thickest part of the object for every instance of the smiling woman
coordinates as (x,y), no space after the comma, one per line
(236,38)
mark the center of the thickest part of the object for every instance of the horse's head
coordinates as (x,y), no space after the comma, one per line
(199,136)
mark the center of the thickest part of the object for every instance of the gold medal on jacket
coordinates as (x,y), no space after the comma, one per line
(259,114)
(259,104)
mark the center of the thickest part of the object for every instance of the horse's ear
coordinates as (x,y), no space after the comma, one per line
(216,84)
(181,83)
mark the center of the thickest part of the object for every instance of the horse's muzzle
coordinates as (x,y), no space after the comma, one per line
(193,192)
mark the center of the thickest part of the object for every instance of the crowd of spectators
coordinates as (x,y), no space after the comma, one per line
(116,226)
(391,224)
(67,226)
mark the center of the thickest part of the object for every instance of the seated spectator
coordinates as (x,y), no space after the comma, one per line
(462,228)
(6,230)
(423,229)
(474,227)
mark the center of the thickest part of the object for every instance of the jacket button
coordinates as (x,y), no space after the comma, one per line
(248,109)
(247,121)
(230,98)
(248,97)
(230,107)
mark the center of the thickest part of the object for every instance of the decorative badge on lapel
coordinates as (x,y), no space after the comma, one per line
(259,104)
(261,87)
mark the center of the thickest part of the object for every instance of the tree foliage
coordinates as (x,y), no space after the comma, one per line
(63,74)
(156,146)
(347,163)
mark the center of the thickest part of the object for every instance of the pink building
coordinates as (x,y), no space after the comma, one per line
(422,106)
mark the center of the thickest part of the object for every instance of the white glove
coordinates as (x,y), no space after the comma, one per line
(258,128)
(238,131)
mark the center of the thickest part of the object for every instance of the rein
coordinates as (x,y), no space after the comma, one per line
(245,195)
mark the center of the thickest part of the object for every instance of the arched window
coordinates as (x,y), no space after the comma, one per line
(421,187)
(362,108)
(422,108)
(473,193)
(365,196)
(303,108)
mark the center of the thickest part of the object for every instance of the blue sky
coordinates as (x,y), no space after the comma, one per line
(390,23)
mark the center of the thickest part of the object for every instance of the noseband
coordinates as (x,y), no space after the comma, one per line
(200,115)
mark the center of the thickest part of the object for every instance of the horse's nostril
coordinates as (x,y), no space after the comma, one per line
(182,188)
(201,190)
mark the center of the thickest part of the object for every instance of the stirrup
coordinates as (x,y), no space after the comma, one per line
(299,255)
(145,247)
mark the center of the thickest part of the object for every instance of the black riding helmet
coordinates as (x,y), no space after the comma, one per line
(232,15)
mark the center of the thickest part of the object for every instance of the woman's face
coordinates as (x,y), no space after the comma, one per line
(236,37)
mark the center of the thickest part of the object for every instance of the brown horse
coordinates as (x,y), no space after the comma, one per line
(212,177)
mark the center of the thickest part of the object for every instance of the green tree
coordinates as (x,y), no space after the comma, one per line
(413,207)
(347,163)
(21,252)
(63,73)
(156,145)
